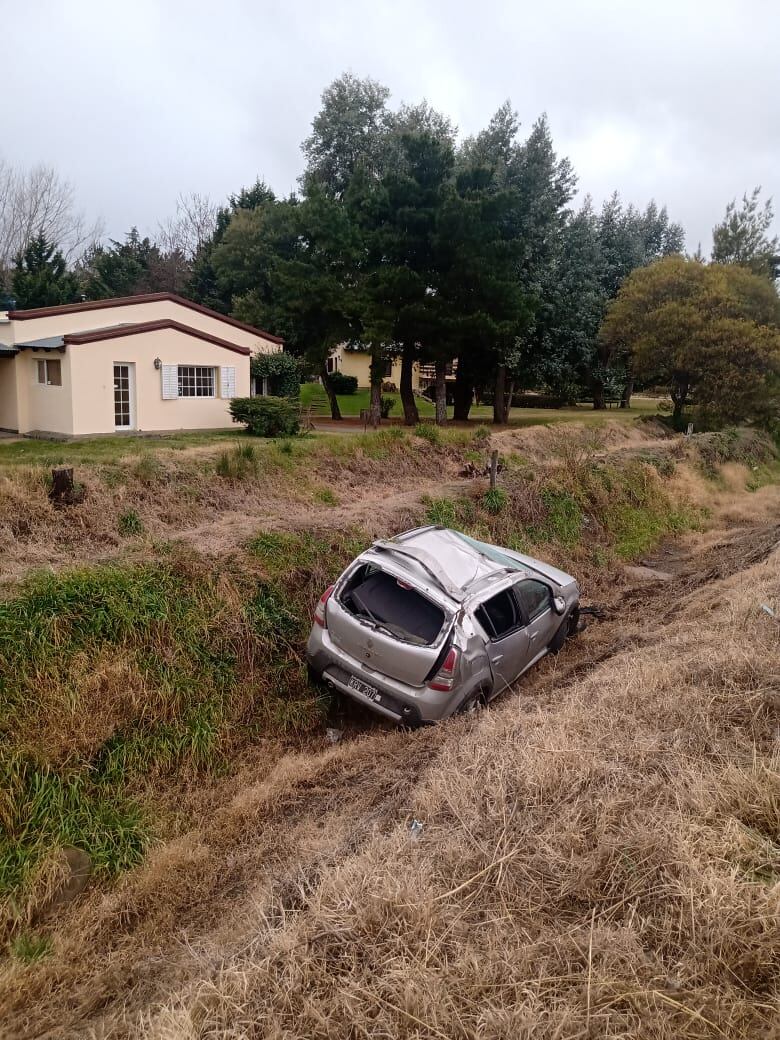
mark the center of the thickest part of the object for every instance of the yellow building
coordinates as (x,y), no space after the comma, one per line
(140,363)
(357,363)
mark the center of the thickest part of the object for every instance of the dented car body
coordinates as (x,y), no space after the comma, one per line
(432,622)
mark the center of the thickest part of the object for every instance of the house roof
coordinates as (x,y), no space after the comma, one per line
(127,301)
(117,331)
(58,342)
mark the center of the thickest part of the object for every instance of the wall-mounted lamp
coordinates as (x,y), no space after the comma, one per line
(157,364)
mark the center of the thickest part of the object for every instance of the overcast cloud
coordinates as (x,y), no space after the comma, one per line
(134,102)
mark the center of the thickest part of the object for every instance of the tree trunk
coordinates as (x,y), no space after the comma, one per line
(411,414)
(509,396)
(499,396)
(599,402)
(464,393)
(628,389)
(375,403)
(680,397)
(441,393)
(335,411)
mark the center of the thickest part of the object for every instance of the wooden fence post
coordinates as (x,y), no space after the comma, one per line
(493,468)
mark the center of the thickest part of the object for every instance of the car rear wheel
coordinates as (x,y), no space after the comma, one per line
(473,704)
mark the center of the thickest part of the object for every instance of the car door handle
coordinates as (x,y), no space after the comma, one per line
(497,658)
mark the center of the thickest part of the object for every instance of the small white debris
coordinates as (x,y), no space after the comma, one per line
(415,830)
(768,610)
(333,736)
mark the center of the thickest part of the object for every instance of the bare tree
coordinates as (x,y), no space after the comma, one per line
(191,227)
(37,201)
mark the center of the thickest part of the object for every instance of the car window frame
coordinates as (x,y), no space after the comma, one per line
(528,618)
(519,626)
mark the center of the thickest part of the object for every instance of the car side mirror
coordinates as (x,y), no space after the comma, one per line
(560,604)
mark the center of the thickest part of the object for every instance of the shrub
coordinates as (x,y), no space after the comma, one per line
(266,416)
(283,372)
(386,405)
(343,384)
(130,523)
(389,387)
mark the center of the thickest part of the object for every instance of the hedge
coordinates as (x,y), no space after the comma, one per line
(343,384)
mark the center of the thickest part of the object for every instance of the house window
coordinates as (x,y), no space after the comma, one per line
(49,372)
(330,364)
(196,381)
(388,369)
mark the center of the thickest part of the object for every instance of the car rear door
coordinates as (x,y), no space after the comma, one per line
(379,650)
(508,646)
(541,620)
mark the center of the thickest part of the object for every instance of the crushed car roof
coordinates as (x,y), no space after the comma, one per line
(457,564)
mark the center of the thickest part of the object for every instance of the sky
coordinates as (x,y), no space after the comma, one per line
(676,100)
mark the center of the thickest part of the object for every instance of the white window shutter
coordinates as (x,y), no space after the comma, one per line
(170,382)
(227,381)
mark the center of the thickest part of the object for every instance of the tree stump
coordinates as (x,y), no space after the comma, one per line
(64,489)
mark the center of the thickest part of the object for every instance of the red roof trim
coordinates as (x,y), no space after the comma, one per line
(77,338)
(127,301)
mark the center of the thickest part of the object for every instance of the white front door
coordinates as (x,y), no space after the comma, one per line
(124,396)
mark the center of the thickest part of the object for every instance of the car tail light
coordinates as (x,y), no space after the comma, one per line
(319,610)
(445,677)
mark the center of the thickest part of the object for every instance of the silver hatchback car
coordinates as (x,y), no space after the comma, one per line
(432,622)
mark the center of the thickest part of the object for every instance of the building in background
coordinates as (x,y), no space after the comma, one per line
(151,363)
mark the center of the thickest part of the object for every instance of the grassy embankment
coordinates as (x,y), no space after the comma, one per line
(120,684)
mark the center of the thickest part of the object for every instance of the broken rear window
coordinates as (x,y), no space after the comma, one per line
(392,605)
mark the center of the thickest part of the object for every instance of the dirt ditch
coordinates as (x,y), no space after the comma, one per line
(273,833)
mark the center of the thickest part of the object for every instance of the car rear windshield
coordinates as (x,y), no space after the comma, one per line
(393,605)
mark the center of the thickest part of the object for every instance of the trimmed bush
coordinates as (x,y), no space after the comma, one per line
(266,416)
(343,384)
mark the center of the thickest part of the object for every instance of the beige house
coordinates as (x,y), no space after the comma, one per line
(141,363)
(357,363)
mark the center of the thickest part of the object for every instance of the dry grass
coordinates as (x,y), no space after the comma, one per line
(607,867)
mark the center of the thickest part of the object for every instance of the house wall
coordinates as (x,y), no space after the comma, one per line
(92,370)
(9,413)
(45,409)
(357,363)
(24,330)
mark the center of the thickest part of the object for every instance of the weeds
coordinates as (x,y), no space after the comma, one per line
(238,463)
(494,500)
(148,470)
(428,432)
(29,948)
(130,524)
(441,511)
(327,496)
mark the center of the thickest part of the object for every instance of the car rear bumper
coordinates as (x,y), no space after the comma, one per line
(403,704)
(390,706)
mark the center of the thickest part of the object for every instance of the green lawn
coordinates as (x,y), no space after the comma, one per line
(103,449)
(352,404)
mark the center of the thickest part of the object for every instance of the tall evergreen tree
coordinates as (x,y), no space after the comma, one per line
(41,277)
(742,237)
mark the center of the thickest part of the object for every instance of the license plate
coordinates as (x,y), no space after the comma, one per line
(371,692)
